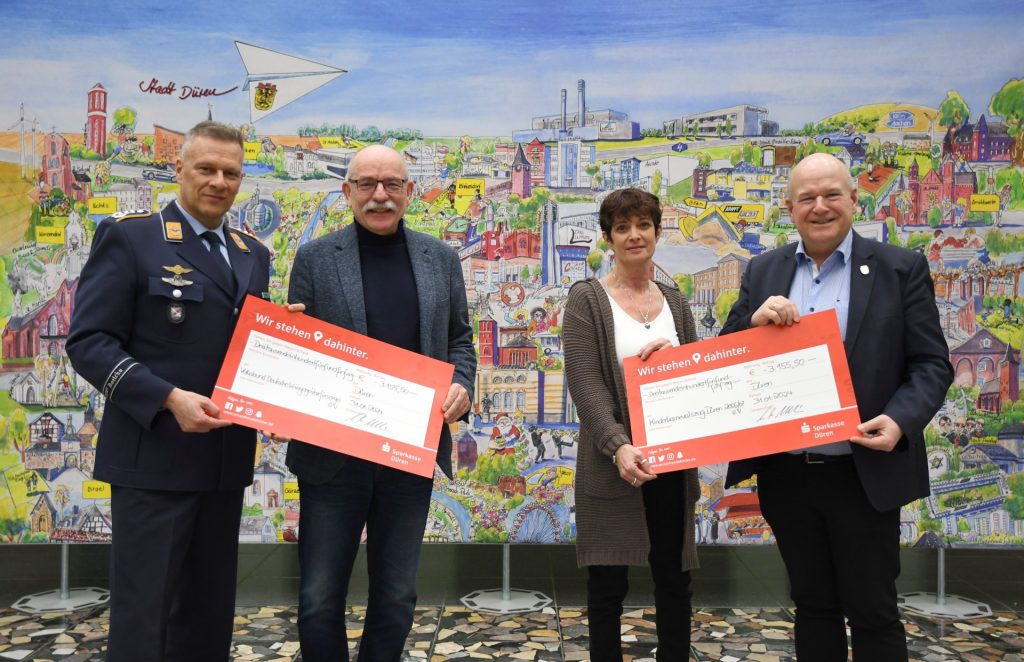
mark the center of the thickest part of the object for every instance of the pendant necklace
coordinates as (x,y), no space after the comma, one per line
(645,315)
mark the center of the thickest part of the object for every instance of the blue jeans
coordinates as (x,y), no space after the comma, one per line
(393,504)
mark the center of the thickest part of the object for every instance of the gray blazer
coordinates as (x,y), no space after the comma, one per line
(326,276)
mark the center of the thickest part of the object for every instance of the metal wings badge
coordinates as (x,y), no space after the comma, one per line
(177,280)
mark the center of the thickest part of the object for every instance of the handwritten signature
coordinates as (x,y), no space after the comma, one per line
(185,92)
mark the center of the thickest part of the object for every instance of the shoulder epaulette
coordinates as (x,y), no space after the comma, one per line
(242,246)
(247,234)
(134,213)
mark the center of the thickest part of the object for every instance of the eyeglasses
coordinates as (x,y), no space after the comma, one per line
(369,185)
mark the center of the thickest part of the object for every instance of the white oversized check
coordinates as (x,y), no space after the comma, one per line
(756,392)
(308,382)
(303,378)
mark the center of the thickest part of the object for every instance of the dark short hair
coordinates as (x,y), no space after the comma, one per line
(214,131)
(627,202)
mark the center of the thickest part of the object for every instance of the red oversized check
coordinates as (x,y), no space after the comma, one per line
(306,379)
(765,390)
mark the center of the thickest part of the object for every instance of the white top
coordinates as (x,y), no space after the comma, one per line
(631,336)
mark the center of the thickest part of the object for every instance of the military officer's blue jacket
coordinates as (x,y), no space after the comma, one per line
(153,312)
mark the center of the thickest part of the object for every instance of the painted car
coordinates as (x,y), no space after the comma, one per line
(159,175)
(841,139)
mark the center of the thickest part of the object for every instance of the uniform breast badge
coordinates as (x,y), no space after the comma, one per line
(175,313)
(176,280)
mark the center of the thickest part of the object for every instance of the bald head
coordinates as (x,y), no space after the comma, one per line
(821,164)
(376,154)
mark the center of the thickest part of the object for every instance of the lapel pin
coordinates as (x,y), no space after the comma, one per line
(864,269)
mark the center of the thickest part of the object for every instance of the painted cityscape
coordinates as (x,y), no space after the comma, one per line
(513,138)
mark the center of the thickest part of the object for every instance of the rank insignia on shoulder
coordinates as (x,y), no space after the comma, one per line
(133,213)
(239,242)
(245,232)
(172,231)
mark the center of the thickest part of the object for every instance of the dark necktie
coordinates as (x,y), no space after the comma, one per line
(223,270)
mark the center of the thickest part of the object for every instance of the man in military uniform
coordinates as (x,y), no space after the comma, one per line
(155,309)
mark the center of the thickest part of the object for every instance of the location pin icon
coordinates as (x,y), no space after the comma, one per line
(317,336)
(696,357)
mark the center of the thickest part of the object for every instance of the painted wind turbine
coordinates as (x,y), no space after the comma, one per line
(276,79)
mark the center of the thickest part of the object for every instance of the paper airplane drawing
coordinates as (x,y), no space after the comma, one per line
(275,79)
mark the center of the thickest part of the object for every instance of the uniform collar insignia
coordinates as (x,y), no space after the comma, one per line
(238,242)
(172,229)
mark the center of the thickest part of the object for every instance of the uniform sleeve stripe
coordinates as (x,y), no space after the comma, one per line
(116,375)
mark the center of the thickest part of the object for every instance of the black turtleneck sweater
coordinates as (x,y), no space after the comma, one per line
(389,288)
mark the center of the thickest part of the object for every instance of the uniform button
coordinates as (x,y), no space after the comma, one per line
(235,312)
(176,293)
(812,310)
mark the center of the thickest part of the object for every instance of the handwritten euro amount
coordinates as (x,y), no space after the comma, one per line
(772,389)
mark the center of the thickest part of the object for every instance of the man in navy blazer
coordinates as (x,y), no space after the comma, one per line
(378,278)
(835,508)
(155,308)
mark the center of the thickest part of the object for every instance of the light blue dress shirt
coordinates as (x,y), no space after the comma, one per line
(816,289)
(199,229)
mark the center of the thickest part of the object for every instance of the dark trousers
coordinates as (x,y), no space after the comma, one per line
(173,569)
(393,504)
(668,525)
(842,556)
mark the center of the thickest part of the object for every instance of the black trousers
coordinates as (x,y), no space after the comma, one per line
(173,569)
(668,526)
(842,556)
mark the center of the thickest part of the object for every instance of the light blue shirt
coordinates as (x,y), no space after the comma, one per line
(816,289)
(199,229)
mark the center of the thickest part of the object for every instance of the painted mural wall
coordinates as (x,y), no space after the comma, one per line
(514,124)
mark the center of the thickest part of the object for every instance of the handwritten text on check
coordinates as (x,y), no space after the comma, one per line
(344,392)
(775,388)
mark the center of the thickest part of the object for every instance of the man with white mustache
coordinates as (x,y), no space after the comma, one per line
(378,278)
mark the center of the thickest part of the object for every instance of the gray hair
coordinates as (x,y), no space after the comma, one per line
(214,131)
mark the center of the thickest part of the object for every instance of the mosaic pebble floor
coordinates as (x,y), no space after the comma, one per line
(440,633)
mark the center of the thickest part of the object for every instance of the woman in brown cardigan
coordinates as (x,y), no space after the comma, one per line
(625,515)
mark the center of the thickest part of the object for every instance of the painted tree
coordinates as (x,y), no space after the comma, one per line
(595,259)
(685,283)
(953,110)
(1014,503)
(751,153)
(18,433)
(1008,102)
(771,219)
(125,119)
(724,303)
(728,126)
